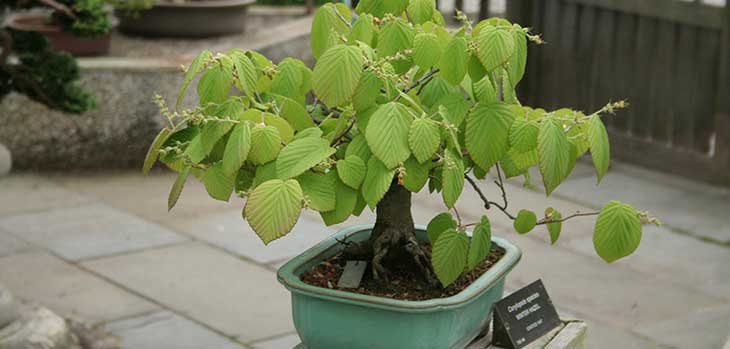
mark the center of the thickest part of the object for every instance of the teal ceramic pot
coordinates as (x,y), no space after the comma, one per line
(333,319)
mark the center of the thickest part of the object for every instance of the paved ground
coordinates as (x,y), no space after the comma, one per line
(104,248)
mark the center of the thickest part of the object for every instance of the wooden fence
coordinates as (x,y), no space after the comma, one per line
(669,58)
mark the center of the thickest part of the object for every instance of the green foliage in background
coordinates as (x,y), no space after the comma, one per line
(394,94)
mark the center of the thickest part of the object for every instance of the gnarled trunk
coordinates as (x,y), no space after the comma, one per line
(395,232)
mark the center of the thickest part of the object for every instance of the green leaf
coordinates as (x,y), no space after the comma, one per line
(454,61)
(294,113)
(319,190)
(195,67)
(377,182)
(314,132)
(421,11)
(618,231)
(496,46)
(523,135)
(452,177)
(456,107)
(288,80)
(487,131)
(301,155)
(481,243)
(387,134)
(195,150)
(177,188)
(396,36)
(337,74)
(359,147)
(212,132)
(217,183)
(346,200)
(554,228)
(449,256)
(416,174)
(265,144)
(246,76)
(553,153)
(600,149)
(154,150)
(484,90)
(424,139)
(237,148)
(286,131)
(273,208)
(265,173)
(525,222)
(367,91)
(379,8)
(426,50)
(439,224)
(518,60)
(216,82)
(363,30)
(325,25)
(352,171)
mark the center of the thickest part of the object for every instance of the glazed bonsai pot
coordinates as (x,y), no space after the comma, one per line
(188,19)
(59,39)
(332,319)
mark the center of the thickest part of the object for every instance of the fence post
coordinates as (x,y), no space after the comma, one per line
(722,103)
(520,11)
(484,9)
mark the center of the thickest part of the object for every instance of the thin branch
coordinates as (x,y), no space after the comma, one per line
(577,214)
(418,82)
(500,184)
(343,134)
(488,204)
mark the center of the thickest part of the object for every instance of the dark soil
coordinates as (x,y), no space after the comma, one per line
(405,280)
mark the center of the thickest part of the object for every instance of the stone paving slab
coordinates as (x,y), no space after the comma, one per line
(67,289)
(10,245)
(167,330)
(229,231)
(237,298)
(284,342)
(31,193)
(704,328)
(88,231)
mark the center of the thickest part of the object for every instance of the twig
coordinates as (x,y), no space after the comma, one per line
(488,204)
(343,134)
(577,214)
(418,82)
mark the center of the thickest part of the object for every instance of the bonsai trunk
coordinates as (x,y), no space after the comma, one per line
(395,232)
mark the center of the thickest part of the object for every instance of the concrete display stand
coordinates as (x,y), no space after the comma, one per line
(570,335)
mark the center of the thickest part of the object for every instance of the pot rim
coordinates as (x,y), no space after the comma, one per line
(205,4)
(287,277)
(19,21)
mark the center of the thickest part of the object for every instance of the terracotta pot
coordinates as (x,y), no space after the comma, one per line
(189,19)
(59,39)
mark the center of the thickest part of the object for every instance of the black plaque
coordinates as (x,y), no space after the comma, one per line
(523,317)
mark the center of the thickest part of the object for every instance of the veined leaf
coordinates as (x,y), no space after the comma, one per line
(421,11)
(416,174)
(195,67)
(286,131)
(618,231)
(154,150)
(456,108)
(523,135)
(326,23)
(553,151)
(387,134)
(484,90)
(525,222)
(246,75)
(273,208)
(426,50)
(452,177)
(554,228)
(518,60)
(363,30)
(359,147)
(212,132)
(600,149)
(301,155)
(218,184)
(454,61)
(366,92)
(177,188)
(265,173)
(449,256)
(319,190)
(288,80)
(424,138)
(487,130)
(237,148)
(294,113)
(481,243)
(377,182)
(439,224)
(496,46)
(379,8)
(352,171)
(345,199)
(337,74)
(265,144)
(396,36)
(216,82)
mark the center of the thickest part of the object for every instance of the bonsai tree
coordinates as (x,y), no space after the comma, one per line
(395,102)
(41,73)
